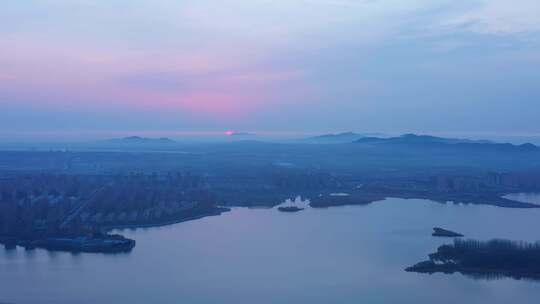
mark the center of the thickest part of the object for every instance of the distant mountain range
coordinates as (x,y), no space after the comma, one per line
(419,139)
(433,141)
(345,137)
(406,141)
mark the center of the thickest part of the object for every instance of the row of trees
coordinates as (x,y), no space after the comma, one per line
(494,254)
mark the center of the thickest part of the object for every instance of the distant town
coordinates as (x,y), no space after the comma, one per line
(70,200)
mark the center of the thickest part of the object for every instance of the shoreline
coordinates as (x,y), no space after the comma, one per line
(496,200)
(45,243)
(217,212)
(356,199)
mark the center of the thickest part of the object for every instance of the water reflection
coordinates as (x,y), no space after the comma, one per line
(493,276)
(532,198)
(10,252)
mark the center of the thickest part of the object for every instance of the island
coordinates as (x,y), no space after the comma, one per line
(445,233)
(491,259)
(290,209)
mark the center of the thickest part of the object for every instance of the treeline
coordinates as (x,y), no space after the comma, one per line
(501,255)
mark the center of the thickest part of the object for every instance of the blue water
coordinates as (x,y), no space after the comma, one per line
(353,254)
(533,198)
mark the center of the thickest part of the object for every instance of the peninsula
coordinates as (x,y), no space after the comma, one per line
(495,258)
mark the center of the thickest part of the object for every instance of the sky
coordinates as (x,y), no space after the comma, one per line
(87,68)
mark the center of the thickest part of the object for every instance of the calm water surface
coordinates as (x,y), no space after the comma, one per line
(350,254)
(533,198)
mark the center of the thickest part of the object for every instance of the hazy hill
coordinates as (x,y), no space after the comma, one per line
(426,141)
(420,139)
(141,140)
(345,137)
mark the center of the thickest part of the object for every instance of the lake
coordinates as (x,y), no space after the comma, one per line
(352,254)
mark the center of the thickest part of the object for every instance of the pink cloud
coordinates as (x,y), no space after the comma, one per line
(220,84)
